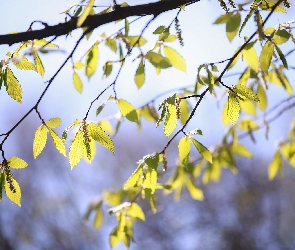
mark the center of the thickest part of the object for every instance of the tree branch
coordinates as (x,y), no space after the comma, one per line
(95,21)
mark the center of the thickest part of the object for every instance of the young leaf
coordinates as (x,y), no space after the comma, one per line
(98,218)
(250,56)
(282,57)
(44,43)
(139,77)
(53,122)
(135,211)
(15,162)
(281,36)
(266,55)
(39,140)
(15,197)
(100,136)
(176,60)
(150,180)
(202,150)
(159,30)
(13,87)
(112,44)
(107,68)
(92,60)
(244,91)
(39,65)
(100,108)
(275,166)
(262,97)
(184,148)
(158,60)
(152,160)
(85,13)
(22,62)
(77,82)
(223,19)
(77,149)
(232,26)
(233,109)
(171,117)
(57,142)
(132,180)
(195,192)
(78,65)
(136,41)
(128,110)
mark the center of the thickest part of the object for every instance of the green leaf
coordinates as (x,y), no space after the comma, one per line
(275,166)
(136,41)
(128,110)
(246,92)
(171,117)
(44,43)
(39,140)
(100,108)
(170,38)
(126,27)
(268,5)
(262,97)
(250,56)
(184,148)
(132,180)
(112,44)
(22,62)
(247,124)
(98,218)
(139,77)
(266,56)
(242,150)
(282,57)
(100,136)
(92,60)
(53,122)
(248,107)
(13,87)
(39,64)
(233,109)
(85,13)
(202,150)
(77,82)
(223,19)
(176,60)
(150,180)
(107,68)
(211,80)
(15,162)
(232,26)
(158,60)
(152,160)
(135,211)
(281,36)
(77,149)
(15,197)
(159,30)
(195,192)
(57,142)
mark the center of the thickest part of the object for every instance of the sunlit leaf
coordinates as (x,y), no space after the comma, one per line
(13,87)
(242,150)
(262,97)
(79,65)
(128,110)
(202,150)
(77,149)
(53,122)
(171,118)
(57,142)
(282,56)
(266,56)
(136,41)
(112,44)
(281,36)
(250,56)
(233,109)
(22,62)
(92,60)
(15,197)
(232,26)
(98,218)
(195,192)
(40,139)
(39,64)
(77,82)
(158,60)
(107,68)
(131,182)
(176,60)
(15,162)
(275,166)
(246,92)
(85,13)
(135,211)
(139,77)
(184,148)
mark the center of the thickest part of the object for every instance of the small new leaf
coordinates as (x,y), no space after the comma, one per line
(139,77)
(158,60)
(246,92)
(128,110)
(176,60)
(39,140)
(202,150)
(266,55)
(53,122)
(15,197)
(232,26)
(57,142)
(13,87)
(22,62)
(77,149)
(39,65)
(85,13)
(275,166)
(233,108)
(77,82)
(92,60)
(15,162)
(131,182)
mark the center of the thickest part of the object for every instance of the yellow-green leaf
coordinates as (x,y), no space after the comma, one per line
(282,56)
(268,5)
(195,192)
(247,124)
(171,119)
(79,65)
(132,180)
(139,77)
(22,62)
(248,107)
(98,218)
(233,109)
(77,149)
(135,211)
(224,118)
(92,60)
(15,162)
(112,44)
(53,122)
(262,97)
(15,197)
(136,41)
(246,92)
(242,150)
(13,87)
(176,60)
(158,60)
(85,13)
(128,110)
(202,150)
(250,56)
(281,36)
(275,166)
(39,140)
(266,55)
(77,82)
(107,68)
(100,136)
(184,148)
(232,26)
(150,180)
(44,43)
(39,64)
(57,142)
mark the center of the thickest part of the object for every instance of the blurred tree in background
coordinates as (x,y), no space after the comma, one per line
(100,62)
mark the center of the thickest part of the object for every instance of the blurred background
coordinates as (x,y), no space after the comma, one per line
(242,211)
